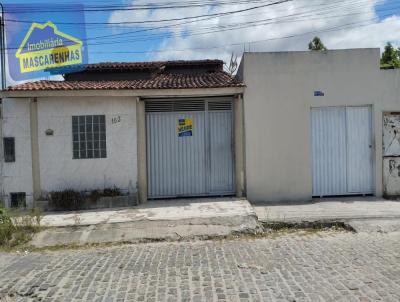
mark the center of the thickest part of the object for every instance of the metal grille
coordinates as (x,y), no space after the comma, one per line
(18,200)
(9,149)
(175,106)
(89,136)
(220,106)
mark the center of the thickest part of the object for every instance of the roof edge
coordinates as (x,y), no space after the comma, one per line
(148,93)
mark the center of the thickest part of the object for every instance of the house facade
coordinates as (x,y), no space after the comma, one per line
(288,127)
(106,127)
(314,124)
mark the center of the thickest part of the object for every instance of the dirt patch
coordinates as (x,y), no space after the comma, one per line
(307,225)
(267,231)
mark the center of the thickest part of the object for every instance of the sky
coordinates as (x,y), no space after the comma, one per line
(257,26)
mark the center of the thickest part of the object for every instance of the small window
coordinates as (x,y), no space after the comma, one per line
(9,149)
(18,200)
(89,136)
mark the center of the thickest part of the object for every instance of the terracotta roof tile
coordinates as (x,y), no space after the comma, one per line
(218,79)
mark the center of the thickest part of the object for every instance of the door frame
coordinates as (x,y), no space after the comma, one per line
(238,148)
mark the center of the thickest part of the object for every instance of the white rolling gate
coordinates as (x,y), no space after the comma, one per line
(189,148)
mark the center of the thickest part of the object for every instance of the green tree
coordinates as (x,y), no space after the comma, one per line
(390,57)
(317,45)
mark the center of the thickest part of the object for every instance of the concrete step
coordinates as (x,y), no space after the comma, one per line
(158,220)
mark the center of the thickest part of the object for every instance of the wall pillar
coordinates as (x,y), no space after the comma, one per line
(141,152)
(2,195)
(239,146)
(35,150)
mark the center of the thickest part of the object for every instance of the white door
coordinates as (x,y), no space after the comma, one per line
(359,150)
(341,151)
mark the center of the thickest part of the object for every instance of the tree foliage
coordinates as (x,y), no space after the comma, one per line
(390,57)
(316,45)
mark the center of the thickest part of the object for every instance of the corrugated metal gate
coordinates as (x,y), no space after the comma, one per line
(189,148)
(342,154)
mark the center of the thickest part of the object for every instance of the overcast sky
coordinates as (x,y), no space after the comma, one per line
(258,27)
(281,27)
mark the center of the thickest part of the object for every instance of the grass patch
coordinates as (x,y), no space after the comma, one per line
(28,223)
(17,227)
(306,226)
(268,233)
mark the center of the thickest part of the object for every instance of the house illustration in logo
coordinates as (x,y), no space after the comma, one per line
(45,47)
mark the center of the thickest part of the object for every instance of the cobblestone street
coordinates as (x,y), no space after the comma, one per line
(325,266)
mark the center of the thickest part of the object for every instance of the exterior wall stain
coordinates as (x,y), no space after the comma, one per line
(391,154)
(391,135)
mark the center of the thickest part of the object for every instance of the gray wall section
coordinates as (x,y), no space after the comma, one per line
(278,100)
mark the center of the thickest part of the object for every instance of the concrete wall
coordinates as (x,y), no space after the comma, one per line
(17,176)
(278,99)
(57,169)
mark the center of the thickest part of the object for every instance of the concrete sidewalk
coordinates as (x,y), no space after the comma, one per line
(209,217)
(361,213)
(155,220)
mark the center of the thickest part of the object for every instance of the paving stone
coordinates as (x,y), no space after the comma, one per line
(325,266)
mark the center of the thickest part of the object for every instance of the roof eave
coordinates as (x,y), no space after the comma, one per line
(182,92)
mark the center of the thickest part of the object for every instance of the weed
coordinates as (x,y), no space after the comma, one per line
(66,200)
(18,226)
(111,192)
(70,200)
(6,227)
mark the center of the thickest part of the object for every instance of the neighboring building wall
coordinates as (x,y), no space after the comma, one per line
(278,98)
(58,169)
(17,176)
(390,126)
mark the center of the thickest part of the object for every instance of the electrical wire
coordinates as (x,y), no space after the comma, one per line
(165,20)
(331,29)
(227,27)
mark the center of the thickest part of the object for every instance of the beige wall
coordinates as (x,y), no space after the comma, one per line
(278,99)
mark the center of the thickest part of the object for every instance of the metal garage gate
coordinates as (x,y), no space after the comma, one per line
(189,148)
(342,152)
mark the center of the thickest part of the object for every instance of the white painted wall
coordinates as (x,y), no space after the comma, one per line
(59,171)
(17,176)
(278,99)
